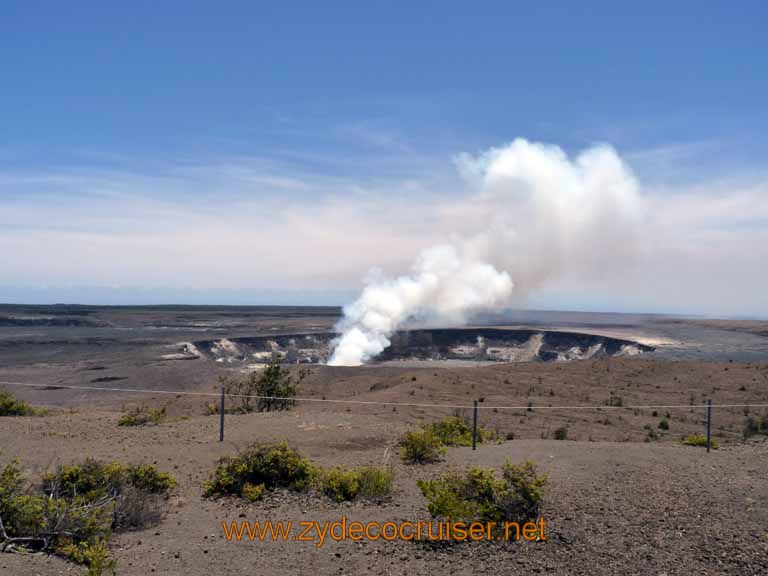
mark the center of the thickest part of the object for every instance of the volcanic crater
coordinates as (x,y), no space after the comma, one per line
(438,344)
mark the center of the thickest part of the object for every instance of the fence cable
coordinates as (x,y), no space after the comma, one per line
(375,402)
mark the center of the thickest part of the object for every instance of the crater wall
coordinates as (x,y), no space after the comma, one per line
(473,344)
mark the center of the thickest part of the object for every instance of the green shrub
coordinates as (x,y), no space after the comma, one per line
(132,418)
(147,478)
(663,424)
(263,467)
(253,492)
(375,482)
(467,496)
(527,488)
(10,406)
(427,445)
(92,480)
(273,465)
(478,495)
(421,447)
(75,509)
(451,431)
(24,512)
(561,433)
(157,415)
(272,388)
(94,555)
(342,484)
(142,415)
(700,440)
(455,431)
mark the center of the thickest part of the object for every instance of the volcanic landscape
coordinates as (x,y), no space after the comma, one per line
(625,496)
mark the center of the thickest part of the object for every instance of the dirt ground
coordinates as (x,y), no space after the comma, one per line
(616,390)
(624,496)
(617,504)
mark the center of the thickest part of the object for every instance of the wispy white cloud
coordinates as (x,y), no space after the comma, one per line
(369,134)
(257,224)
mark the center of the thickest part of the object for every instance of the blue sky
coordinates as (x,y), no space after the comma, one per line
(124,123)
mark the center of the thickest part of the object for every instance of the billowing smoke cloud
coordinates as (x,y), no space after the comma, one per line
(444,283)
(533,214)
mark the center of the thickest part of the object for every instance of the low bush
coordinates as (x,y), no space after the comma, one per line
(339,483)
(427,445)
(527,488)
(375,482)
(663,424)
(147,478)
(342,484)
(263,467)
(75,509)
(94,555)
(273,465)
(561,433)
(92,480)
(451,431)
(421,447)
(10,406)
(699,440)
(455,431)
(478,495)
(142,415)
(469,496)
(253,492)
(272,388)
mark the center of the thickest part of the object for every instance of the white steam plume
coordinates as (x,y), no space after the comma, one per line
(443,282)
(534,214)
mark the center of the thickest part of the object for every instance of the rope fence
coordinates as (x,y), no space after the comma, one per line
(383,403)
(475,406)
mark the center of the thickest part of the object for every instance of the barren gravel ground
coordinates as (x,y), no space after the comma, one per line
(612,507)
(624,496)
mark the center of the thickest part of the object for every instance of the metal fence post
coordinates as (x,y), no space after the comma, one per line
(221,417)
(709,424)
(474,428)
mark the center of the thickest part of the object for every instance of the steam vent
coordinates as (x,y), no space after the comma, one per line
(445,344)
